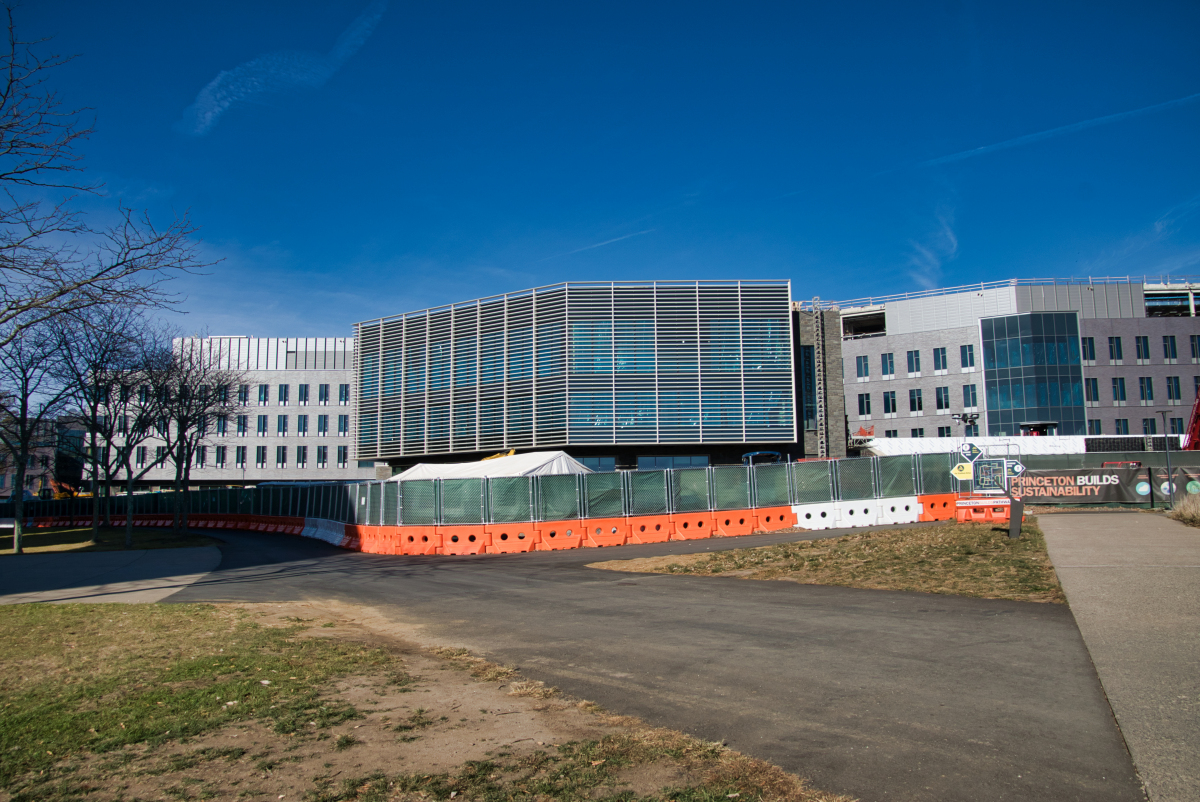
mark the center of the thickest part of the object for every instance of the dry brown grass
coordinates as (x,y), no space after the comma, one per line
(955,559)
(1187,510)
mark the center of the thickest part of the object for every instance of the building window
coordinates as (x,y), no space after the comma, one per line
(892,433)
(302,426)
(322,456)
(282,394)
(939,359)
(301,456)
(944,431)
(322,394)
(1196,347)
(262,425)
(280,456)
(243,394)
(243,423)
(160,454)
(887,365)
(1142,344)
(260,456)
(889,402)
(970,399)
(1149,425)
(602,464)
(1176,425)
(239,457)
(322,425)
(1091,391)
(1145,390)
(302,394)
(219,461)
(917,433)
(942,398)
(1121,426)
(140,457)
(966,356)
(1118,387)
(914,362)
(864,404)
(1094,427)
(1115,354)
(343,426)
(1170,352)
(281,425)
(343,456)
(222,425)
(264,394)
(862,367)
(971,430)
(1174,393)
(915,402)
(201,456)
(1089,349)
(343,394)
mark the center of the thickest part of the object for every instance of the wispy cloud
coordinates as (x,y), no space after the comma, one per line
(927,257)
(597,245)
(277,73)
(1052,132)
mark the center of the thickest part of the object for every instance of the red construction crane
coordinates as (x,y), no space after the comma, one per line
(1191,436)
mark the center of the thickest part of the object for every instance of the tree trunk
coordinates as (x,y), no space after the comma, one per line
(95,491)
(128,514)
(18,507)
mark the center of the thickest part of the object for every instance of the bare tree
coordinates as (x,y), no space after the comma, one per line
(32,396)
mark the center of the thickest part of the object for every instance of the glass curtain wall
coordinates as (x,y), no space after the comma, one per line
(1032,372)
(580,363)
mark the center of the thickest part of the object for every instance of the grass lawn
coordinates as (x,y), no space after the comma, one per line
(957,559)
(110,539)
(119,702)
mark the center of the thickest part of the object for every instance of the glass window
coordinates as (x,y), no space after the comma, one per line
(889,402)
(915,402)
(302,394)
(301,456)
(635,347)
(891,433)
(343,426)
(917,433)
(283,394)
(944,431)
(219,457)
(862,367)
(1089,349)
(1145,388)
(939,359)
(1114,349)
(914,361)
(1149,425)
(239,457)
(322,456)
(1121,426)
(1094,427)
(1196,346)
(1092,387)
(1176,426)
(439,365)
(141,456)
(322,425)
(864,403)
(591,347)
(942,397)
(1118,388)
(243,395)
(260,456)
(280,456)
(322,394)
(971,430)
(301,425)
(887,365)
(966,356)
(343,394)
(281,425)
(604,464)
(520,353)
(1173,389)
(970,399)
(264,394)
(1142,344)
(1169,349)
(262,425)
(343,456)
(222,425)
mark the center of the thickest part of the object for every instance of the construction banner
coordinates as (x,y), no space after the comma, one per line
(1103,485)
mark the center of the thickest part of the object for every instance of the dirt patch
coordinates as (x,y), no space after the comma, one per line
(68,538)
(649,565)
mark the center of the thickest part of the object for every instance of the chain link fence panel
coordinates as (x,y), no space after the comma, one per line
(935,473)
(811,483)
(374,504)
(418,502)
(462,501)
(647,492)
(731,488)
(896,477)
(771,486)
(855,479)
(689,490)
(603,494)
(558,498)
(508,499)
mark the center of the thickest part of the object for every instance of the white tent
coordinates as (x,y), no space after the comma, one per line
(536,463)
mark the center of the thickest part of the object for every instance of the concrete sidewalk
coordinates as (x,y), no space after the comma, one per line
(1133,583)
(146,575)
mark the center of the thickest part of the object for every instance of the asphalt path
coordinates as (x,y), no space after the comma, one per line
(881,695)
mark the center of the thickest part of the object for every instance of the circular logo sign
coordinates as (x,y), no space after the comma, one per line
(1193,486)
(1165,487)
(1143,488)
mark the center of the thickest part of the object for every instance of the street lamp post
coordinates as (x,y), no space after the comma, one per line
(1167,447)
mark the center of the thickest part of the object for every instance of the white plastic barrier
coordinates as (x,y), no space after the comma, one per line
(853,514)
(816,516)
(333,532)
(905,510)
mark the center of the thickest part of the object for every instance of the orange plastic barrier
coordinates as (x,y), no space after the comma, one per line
(734,523)
(982,510)
(558,535)
(514,538)
(464,539)
(772,519)
(692,525)
(940,507)
(420,540)
(601,532)
(648,528)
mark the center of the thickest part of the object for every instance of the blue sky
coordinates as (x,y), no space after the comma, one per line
(358,159)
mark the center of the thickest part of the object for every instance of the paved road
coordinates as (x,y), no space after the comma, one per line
(136,576)
(1133,581)
(877,694)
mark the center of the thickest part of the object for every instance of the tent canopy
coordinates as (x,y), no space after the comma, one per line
(537,463)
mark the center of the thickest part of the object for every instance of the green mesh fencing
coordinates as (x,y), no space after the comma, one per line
(418,502)
(391,503)
(603,494)
(558,498)
(731,488)
(811,483)
(896,477)
(374,504)
(647,492)
(462,501)
(935,473)
(508,499)
(771,486)
(855,479)
(689,490)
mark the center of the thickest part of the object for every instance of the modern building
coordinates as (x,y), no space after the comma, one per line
(619,374)
(295,419)
(1067,356)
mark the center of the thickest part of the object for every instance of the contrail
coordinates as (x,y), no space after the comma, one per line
(275,73)
(1066,129)
(598,244)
